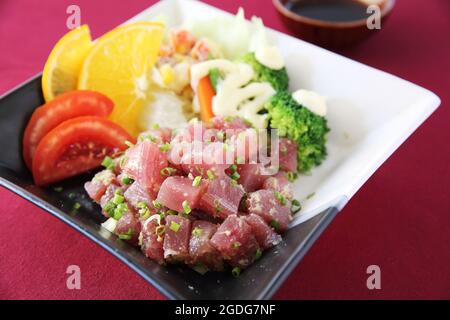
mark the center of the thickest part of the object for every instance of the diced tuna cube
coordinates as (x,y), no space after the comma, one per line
(267,205)
(222,197)
(151,243)
(176,239)
(252,176)
(135,194)
(128,228)
(280,183)
(175,190)
(97,187)
(233,123)
(287,153)
(143,163)
(235,241)
(202,253)
(265,236)
(161,135)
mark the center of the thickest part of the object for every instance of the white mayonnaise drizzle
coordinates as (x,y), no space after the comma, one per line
(235,96)
(270,56)
(312,101)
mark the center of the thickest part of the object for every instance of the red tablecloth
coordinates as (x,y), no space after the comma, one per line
(399,220)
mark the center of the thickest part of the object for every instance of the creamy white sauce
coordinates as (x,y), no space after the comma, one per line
(270,56)
(235,96)
(165,108)
(312,101)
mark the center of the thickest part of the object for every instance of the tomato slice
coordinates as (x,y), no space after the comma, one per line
(76,146)
(64,107)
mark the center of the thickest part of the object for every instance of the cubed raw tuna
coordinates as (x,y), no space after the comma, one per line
(143,163)
(109,194)
(280,183)
(269,206)
(128,228)
(222,197)
(151,243)
(235,241)
(264,234)
(176,239)
(252,176)
(202,253)
(176,190)
(287,155)
(135,194)
(233,123)
(96,188)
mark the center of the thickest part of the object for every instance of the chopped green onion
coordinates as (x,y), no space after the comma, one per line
(197,232)
(126,236)
(141,205)
(239,160)
(165,147)
(157,204)
(233,183)
(236,272)
(122,162)
(127,181)
(309,196)
(211,175)
(296,206)
(233,168)
(118,191)
(291,176)
(58,189)
(155,126)
(174,226)
(200,268)
(118,199)
(171,212)
(197,181)
(167,171)
(187,209)
(76,205)
(235,176)
(108,162)
(258,254)
(275,224)
(129,144)
(148,137)
(160,230)
(109,208)
(281,199)
(283,150)
(72,195)
(217,205)
(120,210)
(236,245)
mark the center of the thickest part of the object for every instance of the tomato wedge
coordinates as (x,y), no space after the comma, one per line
(64,107)
(76,146)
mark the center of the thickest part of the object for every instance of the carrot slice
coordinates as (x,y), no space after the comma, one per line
(205,93)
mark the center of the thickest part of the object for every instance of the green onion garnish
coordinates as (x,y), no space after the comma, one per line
(127,181)
(76,205)
(281,199)
(155,126)
(296,206)
(160,230)
(129,144)
(239,160)
(108,162)
(58,189)
(258,254)
(211,175)
(236,272)
(197,232)
(165,147)
(291,176)
(221,135)
(187,209)
(214,75)
(118,199)
(235,176)
(167,171)
(236,245)
(275,224)
(217,205)
(197,181)
(72,195)
(157,204)
(174,226)
(126,236)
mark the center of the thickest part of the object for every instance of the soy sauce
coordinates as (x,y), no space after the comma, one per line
(329,10)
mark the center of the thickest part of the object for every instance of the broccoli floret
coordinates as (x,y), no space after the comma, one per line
(299,124)
(277,78)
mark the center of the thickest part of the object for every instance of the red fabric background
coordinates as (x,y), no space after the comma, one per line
(399,220)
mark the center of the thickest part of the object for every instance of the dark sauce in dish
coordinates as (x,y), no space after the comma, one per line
(329,10)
